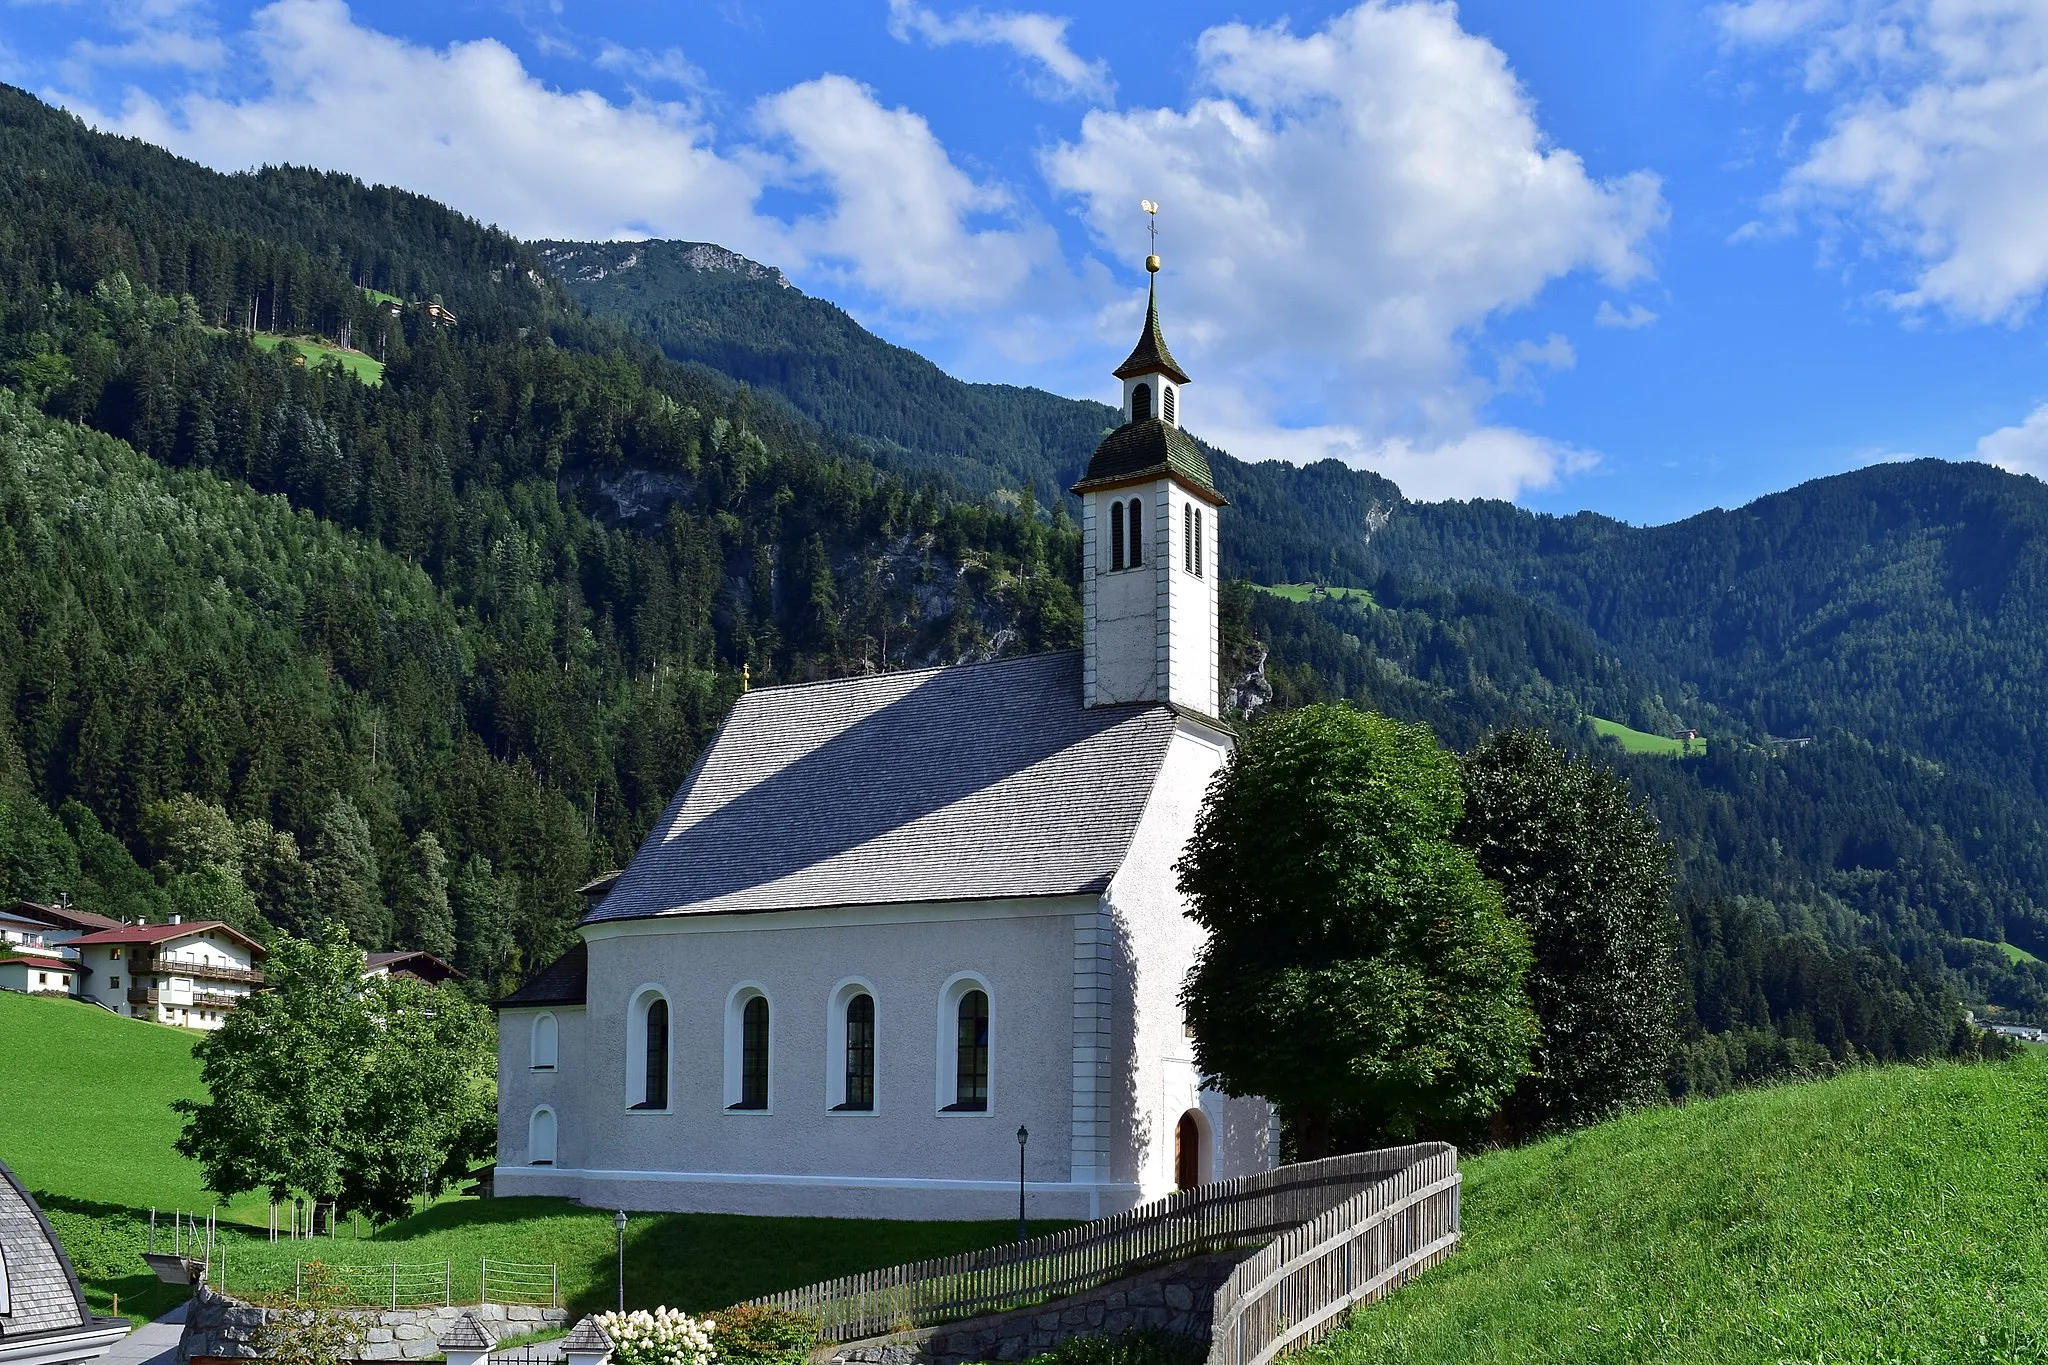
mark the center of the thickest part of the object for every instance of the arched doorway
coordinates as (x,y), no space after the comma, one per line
(1187,1152)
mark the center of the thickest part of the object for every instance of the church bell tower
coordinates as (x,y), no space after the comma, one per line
(1149,525)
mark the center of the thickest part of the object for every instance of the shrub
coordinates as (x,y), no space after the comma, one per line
(755,1334)
(1144,1346)
(662,1337)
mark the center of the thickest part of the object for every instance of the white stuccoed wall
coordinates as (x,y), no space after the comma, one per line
(905,1159)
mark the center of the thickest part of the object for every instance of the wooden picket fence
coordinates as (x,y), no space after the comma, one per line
(1401,1204)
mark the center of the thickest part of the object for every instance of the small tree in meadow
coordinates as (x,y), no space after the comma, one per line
(1358,964)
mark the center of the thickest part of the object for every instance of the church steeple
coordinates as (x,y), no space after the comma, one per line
(1149,513)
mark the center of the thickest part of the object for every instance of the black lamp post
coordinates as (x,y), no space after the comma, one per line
(1023,1136)
(619,1227)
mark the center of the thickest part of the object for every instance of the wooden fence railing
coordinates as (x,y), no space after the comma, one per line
(1276,1207)
(1296,1288)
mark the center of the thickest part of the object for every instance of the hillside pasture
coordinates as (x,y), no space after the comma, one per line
(1643,742)
(1888,1214)
(366,368)
(1310,592)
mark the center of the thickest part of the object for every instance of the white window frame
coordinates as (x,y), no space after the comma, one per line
(553,1035)
(948,1089)
(735,1046)
(636,1048)
(835,1045)
(543,1111)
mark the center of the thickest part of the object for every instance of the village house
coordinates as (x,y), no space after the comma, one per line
(190,975)
(30,960)
(420,966)
(905,943)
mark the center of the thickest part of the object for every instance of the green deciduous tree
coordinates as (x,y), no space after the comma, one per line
(1358,964)
(1581,865)
(335,1088)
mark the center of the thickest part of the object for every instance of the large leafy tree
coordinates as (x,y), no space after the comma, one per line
(1358,965)
(1581,864)
(335,1088)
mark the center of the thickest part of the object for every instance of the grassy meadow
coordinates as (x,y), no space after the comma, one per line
(1643,742)
(1306,592)
(1891,1214)
(363,367)
(95,1147)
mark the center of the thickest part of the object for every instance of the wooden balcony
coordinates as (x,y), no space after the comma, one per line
(168,966)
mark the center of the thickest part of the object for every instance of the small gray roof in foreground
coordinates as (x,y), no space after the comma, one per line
(976,782)
(587,1336)
(467,1334)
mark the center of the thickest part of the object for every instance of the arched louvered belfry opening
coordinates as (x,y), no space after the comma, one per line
(1166,401)
(1141,403)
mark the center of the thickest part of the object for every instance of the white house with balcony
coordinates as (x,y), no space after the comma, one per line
(904,942)
(189,975)
(33,958)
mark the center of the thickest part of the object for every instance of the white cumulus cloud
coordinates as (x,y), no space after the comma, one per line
(1934,152)
(1342,211)
(2022,449)
(1607,315)
(1041,39)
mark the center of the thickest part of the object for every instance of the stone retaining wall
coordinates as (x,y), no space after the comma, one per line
(1175,1298)
(217,1327)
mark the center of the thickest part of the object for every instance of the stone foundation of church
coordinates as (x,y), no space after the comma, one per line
(1177,1298)
(841,1197)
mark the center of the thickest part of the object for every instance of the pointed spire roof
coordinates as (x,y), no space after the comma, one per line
(1150,355)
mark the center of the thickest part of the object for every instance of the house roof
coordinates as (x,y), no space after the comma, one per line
(1144,450)
(1150,355)
(415,961)
(561,982)
(62,916)
(45,964)
(43,1292)
(164,933)
(976,782)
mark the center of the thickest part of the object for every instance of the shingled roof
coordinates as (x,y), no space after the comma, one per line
(42,1292)
(561,982)
(467,1334)
(975,782)
(1150,355)
(1140,450)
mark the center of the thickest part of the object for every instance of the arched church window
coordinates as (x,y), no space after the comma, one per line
(1141,403)
(860,1053)
(542,1054)
(654,1087)
(540,1138)
(1166,400)
(1116,535)
(1187,532)
(1137,533)
(1198,542)
(970,1075)
(754,1054)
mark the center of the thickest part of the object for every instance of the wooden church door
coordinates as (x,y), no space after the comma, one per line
(1187,1153)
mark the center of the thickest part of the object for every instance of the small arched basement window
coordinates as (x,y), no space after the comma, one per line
(541,1056)
(1137,533)
(1141,403)
(540,1138)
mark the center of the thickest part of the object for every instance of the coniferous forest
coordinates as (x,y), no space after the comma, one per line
(428,642)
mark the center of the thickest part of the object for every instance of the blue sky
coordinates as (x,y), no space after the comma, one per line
(1642,257)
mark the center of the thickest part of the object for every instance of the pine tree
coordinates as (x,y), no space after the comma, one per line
(345,874)
(425,920)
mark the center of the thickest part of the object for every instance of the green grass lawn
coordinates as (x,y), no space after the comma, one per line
(95,1147)
(355,362)
(381,297)
(1894,1214)
(1642,742)
(1306,592)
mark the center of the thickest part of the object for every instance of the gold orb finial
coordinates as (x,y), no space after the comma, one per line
(1152,265)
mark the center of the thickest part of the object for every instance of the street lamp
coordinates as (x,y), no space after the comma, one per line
(1023,1136)
(619,1227)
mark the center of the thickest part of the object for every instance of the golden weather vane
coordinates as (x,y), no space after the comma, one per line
(1151,221)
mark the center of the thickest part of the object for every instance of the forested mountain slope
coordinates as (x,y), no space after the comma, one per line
(538,554)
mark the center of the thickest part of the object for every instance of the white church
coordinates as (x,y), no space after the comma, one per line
(898,932)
